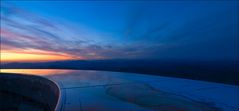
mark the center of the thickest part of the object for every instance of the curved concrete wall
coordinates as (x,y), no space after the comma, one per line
(27,92)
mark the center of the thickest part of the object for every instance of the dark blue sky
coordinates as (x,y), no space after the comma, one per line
(191,30)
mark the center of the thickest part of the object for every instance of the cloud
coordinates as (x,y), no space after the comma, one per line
(24,32)
(147,34)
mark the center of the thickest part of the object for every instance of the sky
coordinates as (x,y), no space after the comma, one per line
(69,30)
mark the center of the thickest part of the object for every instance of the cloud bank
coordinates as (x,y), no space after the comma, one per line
(147,33)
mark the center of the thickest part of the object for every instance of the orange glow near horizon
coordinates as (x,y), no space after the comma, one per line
(11,56)
(40,72)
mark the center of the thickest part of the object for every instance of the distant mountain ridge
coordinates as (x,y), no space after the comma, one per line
(215,71)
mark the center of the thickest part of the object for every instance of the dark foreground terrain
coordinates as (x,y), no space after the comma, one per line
(27,93)
(82,90)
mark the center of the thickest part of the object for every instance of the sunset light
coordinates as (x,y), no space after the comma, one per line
(25,57)
(36,71)
(119,55)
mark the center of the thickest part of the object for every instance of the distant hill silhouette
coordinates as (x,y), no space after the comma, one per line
(215,71)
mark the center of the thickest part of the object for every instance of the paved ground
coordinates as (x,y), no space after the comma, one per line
(115,91)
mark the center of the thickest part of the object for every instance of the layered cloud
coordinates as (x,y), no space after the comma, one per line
(147,33)
(24,32)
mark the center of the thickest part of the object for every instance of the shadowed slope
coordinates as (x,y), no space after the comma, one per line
(27,93)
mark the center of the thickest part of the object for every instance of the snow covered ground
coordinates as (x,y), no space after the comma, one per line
(117,91)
